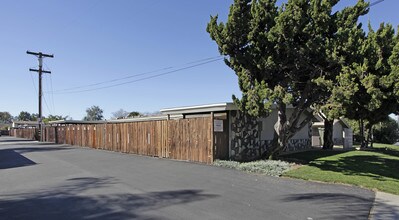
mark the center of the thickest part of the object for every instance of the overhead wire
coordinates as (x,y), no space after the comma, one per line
(145,78)
(51,87)
(128,77)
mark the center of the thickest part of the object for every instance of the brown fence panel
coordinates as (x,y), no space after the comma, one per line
(190,139)
(27,133)
(185,139)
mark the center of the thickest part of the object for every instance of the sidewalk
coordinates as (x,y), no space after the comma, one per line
(386,206)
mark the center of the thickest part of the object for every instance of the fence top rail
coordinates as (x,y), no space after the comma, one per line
(139,119)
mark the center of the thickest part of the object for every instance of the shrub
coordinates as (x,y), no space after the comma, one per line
(268,167)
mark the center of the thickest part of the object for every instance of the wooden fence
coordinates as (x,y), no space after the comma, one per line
(27,133)
(185,139)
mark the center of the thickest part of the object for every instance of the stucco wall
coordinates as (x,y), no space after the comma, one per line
(338,133)
(269,122)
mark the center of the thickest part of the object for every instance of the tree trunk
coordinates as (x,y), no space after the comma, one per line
(280,133)
(369,138)
(328,142)
(362,139)
(284,129)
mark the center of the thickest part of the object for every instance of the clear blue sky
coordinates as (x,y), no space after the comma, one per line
(96,41)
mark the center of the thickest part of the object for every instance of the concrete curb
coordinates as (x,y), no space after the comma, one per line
(386,206)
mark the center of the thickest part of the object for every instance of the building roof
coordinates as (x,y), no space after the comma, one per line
(196,109)
(24,123)
(149,118)
(75,122)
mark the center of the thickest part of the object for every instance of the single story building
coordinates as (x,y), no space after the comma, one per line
(239,136)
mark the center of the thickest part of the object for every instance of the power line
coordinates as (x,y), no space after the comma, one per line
(376,2)
(50,88)
(45,102)
(141,79)
(129,77)
(109,81)
(52,94)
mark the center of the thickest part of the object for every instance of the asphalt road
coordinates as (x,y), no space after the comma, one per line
(45,181)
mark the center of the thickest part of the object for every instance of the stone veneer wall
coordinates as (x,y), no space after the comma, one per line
(245,138)
(245,141)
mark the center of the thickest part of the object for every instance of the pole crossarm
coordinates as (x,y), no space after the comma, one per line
(40,54)
(43,71)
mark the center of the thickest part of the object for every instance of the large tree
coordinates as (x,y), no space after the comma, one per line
(5,117)
(343,50)
(94,113)
(278,54)
(366,89)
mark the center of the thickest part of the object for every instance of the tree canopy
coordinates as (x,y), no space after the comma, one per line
(94,113)
(284,56)
(54,118)
(120,114)
(366,89)
(5,117)
(26,116)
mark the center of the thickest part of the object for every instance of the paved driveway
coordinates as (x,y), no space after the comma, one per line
(45,181)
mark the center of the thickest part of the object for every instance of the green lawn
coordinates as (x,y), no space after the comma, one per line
(376,168)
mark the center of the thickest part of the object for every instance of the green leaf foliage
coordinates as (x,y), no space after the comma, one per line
(287,55)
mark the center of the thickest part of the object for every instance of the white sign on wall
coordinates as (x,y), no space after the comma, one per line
(218,125)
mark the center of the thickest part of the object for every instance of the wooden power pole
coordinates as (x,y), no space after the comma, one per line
(40,56)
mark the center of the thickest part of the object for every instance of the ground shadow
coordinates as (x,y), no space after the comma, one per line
(2,140)
(386,151)
(11,159)
(77,200)
(361,165)
(352,206)
(309,156)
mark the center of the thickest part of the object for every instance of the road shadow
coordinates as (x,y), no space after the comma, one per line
(11,159)
(3,140)
(337,206)
(87,198)
(14,158)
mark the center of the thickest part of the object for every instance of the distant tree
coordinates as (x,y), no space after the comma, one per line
(54,118)
(24,116)
(120,114)
(134,114)
(5,117)
(386,131)
(94,113)
(35,116)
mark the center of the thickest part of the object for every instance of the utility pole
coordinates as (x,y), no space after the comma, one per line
(40,56)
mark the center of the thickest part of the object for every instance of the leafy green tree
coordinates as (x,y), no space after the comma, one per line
(134,114)
(5,117)
(94,113)
(279,54)
(343,50)
(386,131)
(54,118)
(25,116)
(366,91)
